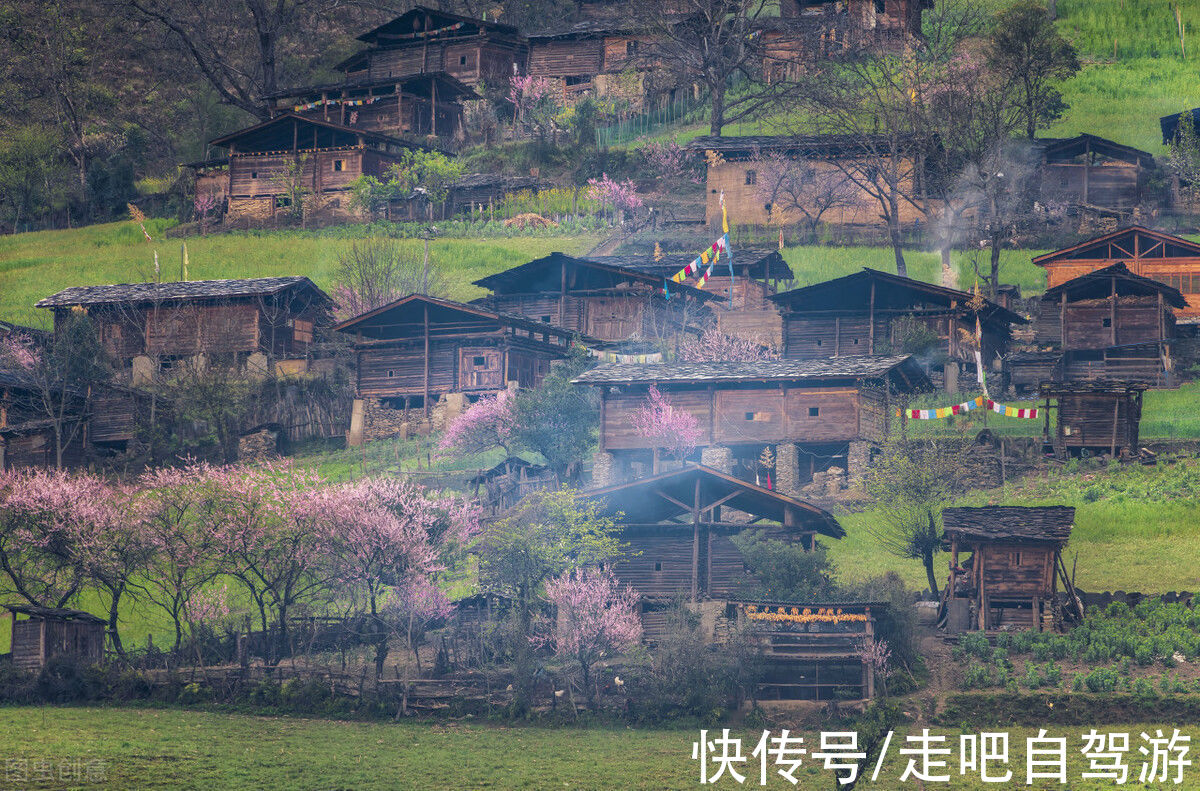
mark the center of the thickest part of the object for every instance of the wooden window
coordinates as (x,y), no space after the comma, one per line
(339,165)
(302,331)
(1106,321)
(819,341)
(462,60)
(545,319)
(758,417)
(658,565)
(254,174)
(752,176)
(391,373)
(767,208)
(1016,558)
(880,6)
(814,411)
(631,49)
(478,361)
(282,201)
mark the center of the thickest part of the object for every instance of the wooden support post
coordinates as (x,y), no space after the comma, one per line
(1037,614)
(433,106)
(1116,414)
(981,592)
(1112,314)
(1062,321)
(871,314)
(426,374)
(696,542)
(837,336)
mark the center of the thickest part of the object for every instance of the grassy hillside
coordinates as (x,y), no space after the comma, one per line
(35,265)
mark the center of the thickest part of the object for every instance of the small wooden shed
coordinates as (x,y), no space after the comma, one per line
(1097,416)
(40,634)
(1012,566)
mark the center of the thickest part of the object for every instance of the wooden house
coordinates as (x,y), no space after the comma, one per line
(267,322)
(1026,370)
(678,526)
(873,312)
(40,634)
(418,348)
(1111,324)
(813,29)
(1005,563)
(427,104)
(478,192)
(1152,254)
(816,413)
(741,169)
(27,437)
(744,308)
(426,40)
(608,57)
(505,484)
(1095,173)
(1170,124)
(1096,416)
(273,161)
(601,301)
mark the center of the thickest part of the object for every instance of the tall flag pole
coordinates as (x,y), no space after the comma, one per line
(728,249)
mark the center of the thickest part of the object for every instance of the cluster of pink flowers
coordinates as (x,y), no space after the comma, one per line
(620,195)
(491,422)
(670,161)
(668,427)
(715,346)
(17,350)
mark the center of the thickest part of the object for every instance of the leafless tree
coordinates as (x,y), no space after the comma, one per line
(718,44)
(809,188)
(377,271)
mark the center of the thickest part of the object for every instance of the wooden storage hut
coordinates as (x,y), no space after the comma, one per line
(275,317)
(825,408)
(1111,324)
(504,485)
(418,348)
(425,104)
(1151,254)
(27,436)
(601,301)
(1005,562)
(1095,416)
(479,191)
(739,167)
(1095,173)
(270,161)
(808,29)
(873,312)
(40,634)
(424,40)
(1027,370)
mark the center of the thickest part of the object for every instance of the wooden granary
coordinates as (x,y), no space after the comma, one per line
(40,634)
(1005,565)
(1094,417)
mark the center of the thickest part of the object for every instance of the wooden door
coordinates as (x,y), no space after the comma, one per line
(614,318)
(480,369)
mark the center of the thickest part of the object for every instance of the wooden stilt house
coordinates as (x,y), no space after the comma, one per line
(1005,565)
(1096,416)
(1094,173)
(1111,324)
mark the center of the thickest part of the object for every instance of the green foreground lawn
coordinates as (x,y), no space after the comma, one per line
(173,749)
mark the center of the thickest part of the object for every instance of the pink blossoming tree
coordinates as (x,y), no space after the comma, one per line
(490,422)
(620,196)
(667,427)
(597,619)
(535,103)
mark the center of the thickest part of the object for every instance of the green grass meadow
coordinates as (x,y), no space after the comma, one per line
(151,749)
(35,265)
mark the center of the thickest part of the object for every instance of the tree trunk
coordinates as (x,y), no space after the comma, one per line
(949,279)
(893,221)
(113,606)
(717,117)
(588,691)
(994,278)
(927,560)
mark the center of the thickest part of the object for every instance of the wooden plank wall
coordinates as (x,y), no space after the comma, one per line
(254,175)
(1089,416)
(565,58)
(670,550)
(752,415)
(1137,321)
(1108,185)
(764,327)
(191,329)
(26,644)
(816,338)
(1018,570)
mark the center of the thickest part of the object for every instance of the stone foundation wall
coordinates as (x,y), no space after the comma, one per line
(717,457)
